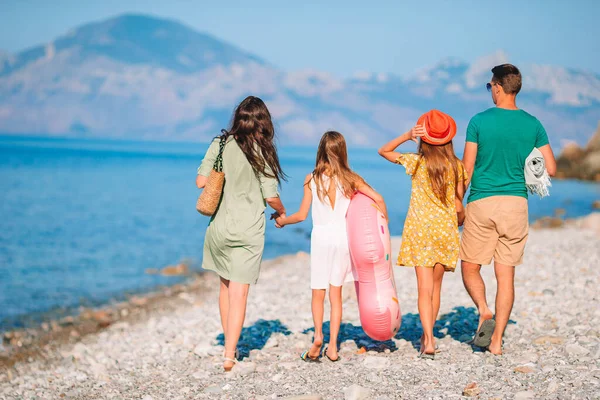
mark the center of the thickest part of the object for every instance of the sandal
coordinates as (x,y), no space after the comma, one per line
(483,337)
(233,361)
(437,345)
(324,353)
(305,357)
(427,356)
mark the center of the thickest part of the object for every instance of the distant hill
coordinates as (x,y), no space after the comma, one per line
(140,77)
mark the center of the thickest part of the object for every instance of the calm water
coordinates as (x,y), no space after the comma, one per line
(82,220)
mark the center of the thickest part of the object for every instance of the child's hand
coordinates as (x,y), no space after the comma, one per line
(279,221)
(417,132)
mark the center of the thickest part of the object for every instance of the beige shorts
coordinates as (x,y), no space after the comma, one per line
(495,227)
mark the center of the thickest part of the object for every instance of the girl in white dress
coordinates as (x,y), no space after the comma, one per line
(329,189)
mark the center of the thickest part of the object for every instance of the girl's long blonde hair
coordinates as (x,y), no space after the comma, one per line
(442,164)
(332,161)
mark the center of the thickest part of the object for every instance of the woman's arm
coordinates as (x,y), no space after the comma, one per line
(281,220)
(388,152)
(276,204)
(207,164)
(363,187)
(549,160)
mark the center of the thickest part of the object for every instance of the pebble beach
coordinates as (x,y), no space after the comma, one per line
(552,345)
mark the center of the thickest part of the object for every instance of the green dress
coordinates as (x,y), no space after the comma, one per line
(235,237)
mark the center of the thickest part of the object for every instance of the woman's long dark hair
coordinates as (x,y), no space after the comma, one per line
(254,132)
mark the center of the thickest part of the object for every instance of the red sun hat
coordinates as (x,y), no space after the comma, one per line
(440,128)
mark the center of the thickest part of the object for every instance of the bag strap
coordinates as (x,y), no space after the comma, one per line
(219,161)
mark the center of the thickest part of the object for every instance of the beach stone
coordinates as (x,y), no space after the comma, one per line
(203,349)
(80,377)
(102,318)
(271,343)
(552,387)
(471,390)
(524,369)
(175,270)
(305,397)
(374,362)
(549,339)
(148,397)
(575,349)
(287,365)
(245,368)
(527,357)
(121,326)
(213,389)
(138,301)
(201,375)
(356,392)
(524,395)
(67,321)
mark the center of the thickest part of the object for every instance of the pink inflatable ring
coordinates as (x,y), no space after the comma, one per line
(370,248)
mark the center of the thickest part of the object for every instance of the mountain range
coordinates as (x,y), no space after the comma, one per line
(142,77)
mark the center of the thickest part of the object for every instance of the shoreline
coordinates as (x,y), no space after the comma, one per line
(24,344)
(28,343)
(175,350)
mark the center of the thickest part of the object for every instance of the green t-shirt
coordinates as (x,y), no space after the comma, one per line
(504,138)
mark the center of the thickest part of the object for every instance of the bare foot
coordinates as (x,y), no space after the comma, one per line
(315,349)
(484,314)
(495,348)
(434,346)
(427,346)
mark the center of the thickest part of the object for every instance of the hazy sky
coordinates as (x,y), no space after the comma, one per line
(347,36)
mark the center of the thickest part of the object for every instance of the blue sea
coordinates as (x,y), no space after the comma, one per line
(83,219)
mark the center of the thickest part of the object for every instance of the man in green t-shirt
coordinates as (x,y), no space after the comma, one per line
(496,224)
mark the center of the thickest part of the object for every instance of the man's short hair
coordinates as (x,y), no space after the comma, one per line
(508,76)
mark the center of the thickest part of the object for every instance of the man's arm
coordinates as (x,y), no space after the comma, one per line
(549,159)
(469,158)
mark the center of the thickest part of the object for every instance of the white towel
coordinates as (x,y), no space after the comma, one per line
(536,176)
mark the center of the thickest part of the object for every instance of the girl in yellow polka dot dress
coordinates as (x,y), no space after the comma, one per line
(430,240)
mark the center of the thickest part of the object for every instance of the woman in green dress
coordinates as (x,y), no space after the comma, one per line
(235,237)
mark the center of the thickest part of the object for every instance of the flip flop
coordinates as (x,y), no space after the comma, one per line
(483,337)
(305,357)
(324,353)
(426,356)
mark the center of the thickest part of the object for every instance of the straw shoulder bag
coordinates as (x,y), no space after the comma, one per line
(209,199)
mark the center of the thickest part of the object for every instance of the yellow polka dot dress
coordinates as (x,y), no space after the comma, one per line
(430,234)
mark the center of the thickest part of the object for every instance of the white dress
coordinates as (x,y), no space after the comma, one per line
(329,254)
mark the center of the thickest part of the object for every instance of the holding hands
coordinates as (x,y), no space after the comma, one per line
(279,219)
